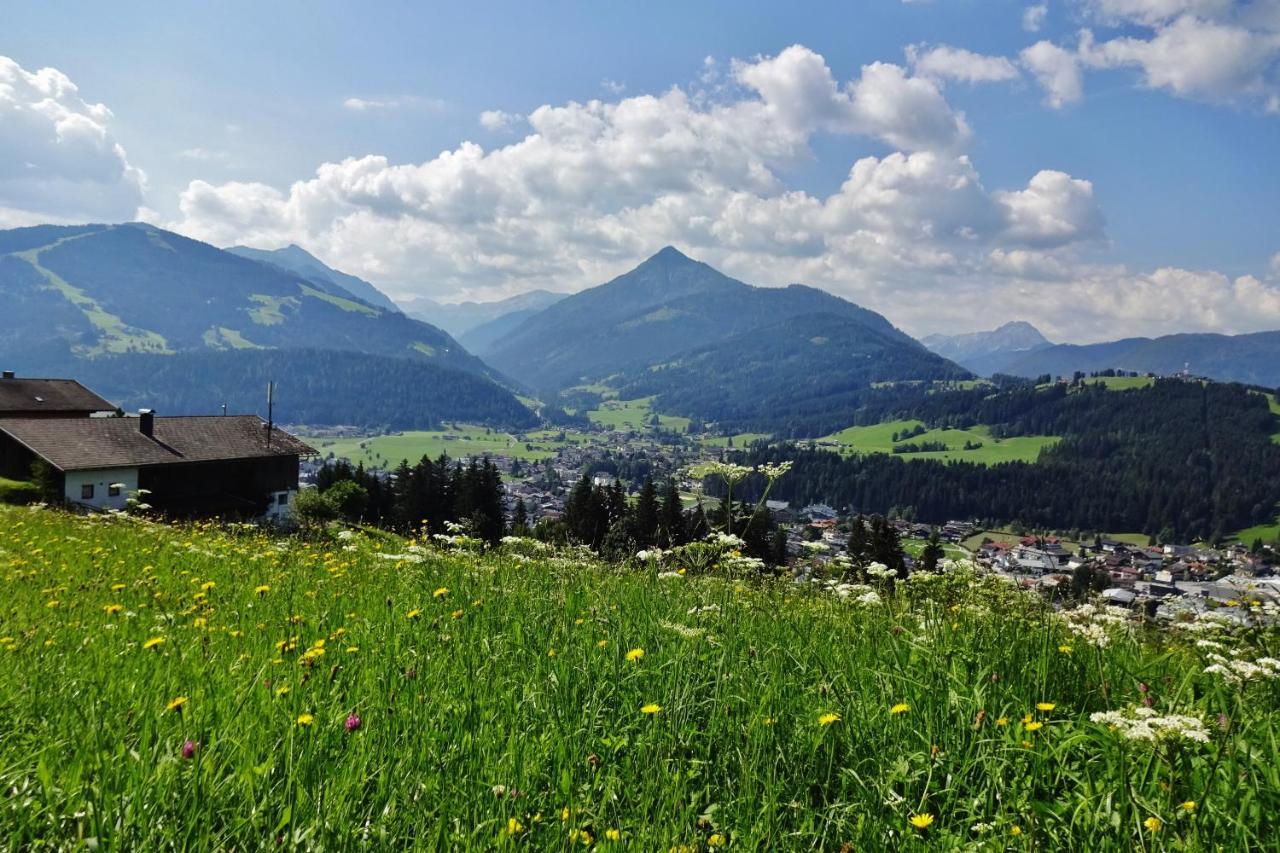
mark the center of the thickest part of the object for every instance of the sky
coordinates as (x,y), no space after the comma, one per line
(1101,168)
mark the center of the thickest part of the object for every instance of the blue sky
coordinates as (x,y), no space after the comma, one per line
(217,111)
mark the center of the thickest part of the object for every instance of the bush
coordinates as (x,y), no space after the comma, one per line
(313,508)
(18,492)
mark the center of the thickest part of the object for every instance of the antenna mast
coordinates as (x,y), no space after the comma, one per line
(271,386)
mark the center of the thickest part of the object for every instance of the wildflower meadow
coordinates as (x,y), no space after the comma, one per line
(203,686)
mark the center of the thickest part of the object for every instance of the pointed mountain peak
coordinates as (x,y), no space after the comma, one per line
(671,255)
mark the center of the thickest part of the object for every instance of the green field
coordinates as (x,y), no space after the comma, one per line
(975,541)
(387,451)
(200,689)
(633,415)
(879,439)
(1122,383)
(1265,532)
(740,440)
(1274,405)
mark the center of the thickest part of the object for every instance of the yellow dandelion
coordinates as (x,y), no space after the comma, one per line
(282,690)
(1003,721)
(207,585)
(1065,649)
(153,643)
(113,609)
(441,592)
(306,719)
(1034,726)
(651,708)
(176,703)
(1153,824)
(635,655)
(1016,831)
(828,718)
(1045,706)
(116,587)
(457,614)
(922,821)
(1189,806)
(613,835)
(551,653)
(514,827)
(600,644)
(262,589)
(351,650)
(413,614)
(1026,718)
(716,840)
(900,708)
(564,814)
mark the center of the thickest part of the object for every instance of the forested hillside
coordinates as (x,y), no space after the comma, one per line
(1195,460)
(313,387)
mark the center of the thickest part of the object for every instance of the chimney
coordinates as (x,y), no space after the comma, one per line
(146,422)
(8,374)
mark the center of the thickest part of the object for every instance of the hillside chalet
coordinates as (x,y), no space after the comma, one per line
(48,398)
(189,466)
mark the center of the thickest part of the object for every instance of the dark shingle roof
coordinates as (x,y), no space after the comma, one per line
(73,444)
(48,395)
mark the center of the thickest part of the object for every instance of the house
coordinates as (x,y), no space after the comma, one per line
(210,465)
(48,398)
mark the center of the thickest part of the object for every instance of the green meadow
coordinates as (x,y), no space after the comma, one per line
(387,451)
(879,439)
(197,687)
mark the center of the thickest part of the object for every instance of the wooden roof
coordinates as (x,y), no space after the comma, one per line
(77,444)
(32,396)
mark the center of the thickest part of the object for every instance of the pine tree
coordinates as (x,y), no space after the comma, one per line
(520,519)
(645,516)
(931,556)
(671,517)
(859,543)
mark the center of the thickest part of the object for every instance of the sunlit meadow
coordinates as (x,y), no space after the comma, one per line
(205,687)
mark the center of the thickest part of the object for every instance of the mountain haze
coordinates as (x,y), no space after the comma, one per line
(987,352)
(462,318)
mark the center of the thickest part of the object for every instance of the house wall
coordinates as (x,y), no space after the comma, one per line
(101,480)
(238,487)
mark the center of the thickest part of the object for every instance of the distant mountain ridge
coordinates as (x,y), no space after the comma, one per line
(1251,358)
(986,352)
(463,318)
(300,261)
(667,305)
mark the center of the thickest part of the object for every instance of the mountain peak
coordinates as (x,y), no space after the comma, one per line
(670,255)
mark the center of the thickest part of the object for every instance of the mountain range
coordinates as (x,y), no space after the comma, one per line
(462,319)
(988,352)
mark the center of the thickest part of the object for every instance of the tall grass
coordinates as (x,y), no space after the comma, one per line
(497,706)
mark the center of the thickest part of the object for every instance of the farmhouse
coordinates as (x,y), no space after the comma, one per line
(47,398)
(188,466)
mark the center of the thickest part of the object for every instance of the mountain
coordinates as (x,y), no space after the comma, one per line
(312,387)
(96,290)
(1252,358)
(668,305)
(987,352)
(803,376)
(300,262)
(464,317)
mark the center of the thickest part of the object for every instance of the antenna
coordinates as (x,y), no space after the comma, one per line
(224,410)
(271,387)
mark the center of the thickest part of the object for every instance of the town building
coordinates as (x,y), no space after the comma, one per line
(48,398)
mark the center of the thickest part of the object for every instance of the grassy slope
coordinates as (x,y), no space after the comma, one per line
(517,676)
(879,439)
(633,414)
(471,440)
(1122,383)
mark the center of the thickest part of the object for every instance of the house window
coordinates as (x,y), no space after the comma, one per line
(113,491)
(86,492)
(282,499)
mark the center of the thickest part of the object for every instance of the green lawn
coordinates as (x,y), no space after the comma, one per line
(468,440)
(1265,532)
(633,414)
(975,541)
(879,439)
(1122,383)
(740,441)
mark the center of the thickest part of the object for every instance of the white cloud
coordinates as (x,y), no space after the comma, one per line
(391,102)
(613,87)
(498,120)
(953,63)
(1275,265)
(592,189)
(1209,50)
(58,158)
(1033,17)
(1057,70)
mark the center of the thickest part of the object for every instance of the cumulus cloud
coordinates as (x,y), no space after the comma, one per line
(1058,71)
(953,63)
(498,120)
(593,188)
(58,158)
(1209,50)
(1033,17)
